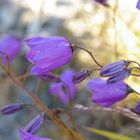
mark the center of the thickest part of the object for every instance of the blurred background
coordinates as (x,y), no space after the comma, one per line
(110,33)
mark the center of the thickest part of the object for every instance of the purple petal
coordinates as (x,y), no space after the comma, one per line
(61,89)
(9,45)
(48,53)
(107,94)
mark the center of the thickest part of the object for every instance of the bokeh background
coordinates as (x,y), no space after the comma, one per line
(110,33)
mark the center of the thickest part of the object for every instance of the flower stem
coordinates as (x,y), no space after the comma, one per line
(89,54)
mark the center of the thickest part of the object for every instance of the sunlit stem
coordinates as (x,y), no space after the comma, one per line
(133,74)
(74,46)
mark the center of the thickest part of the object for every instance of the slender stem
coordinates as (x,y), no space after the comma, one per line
(8,61)
(135,62)
(89,54)
(115,30)
(70,115)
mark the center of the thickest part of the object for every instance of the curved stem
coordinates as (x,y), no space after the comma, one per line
(89,54)
(135,62)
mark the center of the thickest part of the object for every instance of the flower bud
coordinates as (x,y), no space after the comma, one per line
(119,76)
(79,77)
(35,124)
(12,108)
(113,68)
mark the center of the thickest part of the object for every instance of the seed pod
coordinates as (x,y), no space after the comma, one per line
(113,68)
(12,108)
(35,124)
(119,76)
(79,77)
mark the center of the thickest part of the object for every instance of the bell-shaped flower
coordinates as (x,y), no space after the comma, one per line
(106,94)
(9,48)
(65,89)
(48,53)
(27,136)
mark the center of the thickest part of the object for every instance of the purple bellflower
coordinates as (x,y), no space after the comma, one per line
(35,124)
(27,136)
(113,68)
(12,108)
(65,89)
(9,46)
(106,94)
(103,2)
(138,5)
(48,53)
(136,109)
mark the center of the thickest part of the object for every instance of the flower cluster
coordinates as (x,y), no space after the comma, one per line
(50,53)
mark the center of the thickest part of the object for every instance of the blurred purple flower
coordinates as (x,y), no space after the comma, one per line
(138,5)
(35,124)
(27,136)
(103,2)
(106,94)
(113,68)
(48,53)
(136,109)
(64,89)
(10,46)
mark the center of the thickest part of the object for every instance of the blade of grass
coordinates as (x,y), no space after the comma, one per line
(109,134)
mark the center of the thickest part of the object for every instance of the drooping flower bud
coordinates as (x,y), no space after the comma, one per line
(35,124)
(79,77)
(119,76)
(12,108)
(113,68)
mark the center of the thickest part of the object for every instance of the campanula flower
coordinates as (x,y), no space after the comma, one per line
(113,68)
(106,94)
(136,109)
(138,4)
(12,108)
(65,89)
(48,53)
(119,76)
(27,136)
(35,124)
(9,46)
